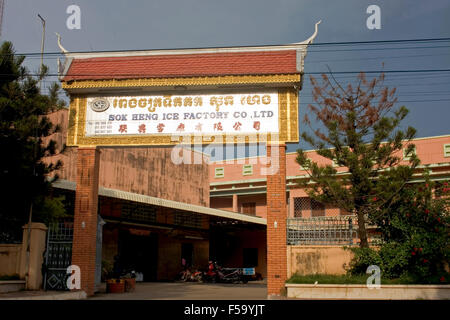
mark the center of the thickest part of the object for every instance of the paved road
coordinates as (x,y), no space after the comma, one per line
(190,291)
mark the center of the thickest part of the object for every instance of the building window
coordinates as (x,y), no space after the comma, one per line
(249,208)
(408,156)
(307,207)
(317,209)
(301,204)
(250,257)
(219,172)
(446,150)
(247,169)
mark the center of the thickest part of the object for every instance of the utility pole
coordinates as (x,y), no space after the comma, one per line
(2,6)
(30,217)
(42,44)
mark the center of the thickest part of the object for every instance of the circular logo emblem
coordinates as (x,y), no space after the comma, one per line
(100,105)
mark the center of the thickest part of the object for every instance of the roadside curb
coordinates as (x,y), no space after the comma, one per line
(76,295)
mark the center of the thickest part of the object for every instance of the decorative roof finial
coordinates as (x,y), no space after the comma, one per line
(59,43)
(310,39)
(316,28)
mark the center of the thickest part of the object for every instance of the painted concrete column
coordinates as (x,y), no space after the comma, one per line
(235,203)
(291,207)
(85,222)
(32,265)
(276,220)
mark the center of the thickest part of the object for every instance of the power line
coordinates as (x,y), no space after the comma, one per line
(323,61)
(377,49)
(380,71)
(376,42)
(383,57)
(380,41)
(305,73)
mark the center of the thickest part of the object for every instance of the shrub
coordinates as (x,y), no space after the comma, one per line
(415,236)
(363,257)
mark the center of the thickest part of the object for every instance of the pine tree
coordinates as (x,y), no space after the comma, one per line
(23,125)
(361,133)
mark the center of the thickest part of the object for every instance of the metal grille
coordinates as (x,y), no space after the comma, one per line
(187,219)
(136,211)
(300,205)
(317,208)
(307,207)
(321,230)
(58,255)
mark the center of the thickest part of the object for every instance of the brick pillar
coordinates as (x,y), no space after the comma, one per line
(85,222)
(276,220)
(235,203)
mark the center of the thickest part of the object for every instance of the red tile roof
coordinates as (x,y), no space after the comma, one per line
(183,65)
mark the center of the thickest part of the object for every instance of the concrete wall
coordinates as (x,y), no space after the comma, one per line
(10,259)
(306,260)
(13,257)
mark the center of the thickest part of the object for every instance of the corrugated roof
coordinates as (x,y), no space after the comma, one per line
(119,194)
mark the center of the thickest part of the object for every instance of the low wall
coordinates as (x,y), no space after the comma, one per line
(361,292)
(10,259)
(306,260)
(13,257)
(12,286)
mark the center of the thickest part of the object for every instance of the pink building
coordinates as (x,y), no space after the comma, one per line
(238,185)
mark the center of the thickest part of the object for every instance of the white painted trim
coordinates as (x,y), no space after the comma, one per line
(143,53)
(213,184)
(362,292)
(445,146)
(415,139)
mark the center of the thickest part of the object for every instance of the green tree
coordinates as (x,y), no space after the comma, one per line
(360,132)
(23,127)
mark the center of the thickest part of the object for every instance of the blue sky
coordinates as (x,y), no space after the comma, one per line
(158,24)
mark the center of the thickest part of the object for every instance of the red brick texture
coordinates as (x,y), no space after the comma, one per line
(85,222)
(184,65)
(276,222)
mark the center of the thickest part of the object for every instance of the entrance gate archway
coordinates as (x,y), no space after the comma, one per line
(237,95)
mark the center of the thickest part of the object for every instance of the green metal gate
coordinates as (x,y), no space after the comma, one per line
(58,255)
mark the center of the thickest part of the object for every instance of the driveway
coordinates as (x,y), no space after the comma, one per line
(190,291)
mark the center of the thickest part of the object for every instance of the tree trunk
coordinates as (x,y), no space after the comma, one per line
(362,233)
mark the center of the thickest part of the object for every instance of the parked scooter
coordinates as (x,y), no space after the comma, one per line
(216,273)
(190,275)
(212,274)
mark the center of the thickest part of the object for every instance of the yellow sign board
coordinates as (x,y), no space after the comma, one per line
(238,117)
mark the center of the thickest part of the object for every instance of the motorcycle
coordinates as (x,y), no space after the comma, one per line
(216,273)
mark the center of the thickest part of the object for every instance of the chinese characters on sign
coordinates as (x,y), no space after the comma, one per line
(246,113)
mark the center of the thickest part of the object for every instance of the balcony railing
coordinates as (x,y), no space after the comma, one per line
(340,230)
